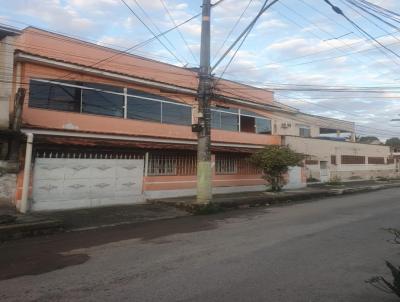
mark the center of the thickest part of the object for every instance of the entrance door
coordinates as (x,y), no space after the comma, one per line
(324,171)
(66,183)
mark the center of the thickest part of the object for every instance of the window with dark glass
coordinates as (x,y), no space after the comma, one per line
(107,100)
(176,114)
(104,87)
(225,119)
(143,109)
(102,103)
(151,107)
(247,124)
(304,131)
(263,126)
(54,96)
(254,123)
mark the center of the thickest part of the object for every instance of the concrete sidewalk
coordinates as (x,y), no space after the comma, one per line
(254,199)
(40,223)
(14,225)
(159,209)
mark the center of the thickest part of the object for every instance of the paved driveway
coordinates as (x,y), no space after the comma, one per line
(317,251)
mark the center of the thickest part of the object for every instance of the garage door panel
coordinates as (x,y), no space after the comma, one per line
(76,189)
(50,170)
(75,183)
(103,168)
(127,187)
(75,169)
(127,168)
(102,187)
(48,190)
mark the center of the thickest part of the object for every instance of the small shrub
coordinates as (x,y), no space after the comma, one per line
(335,181)
(275,162)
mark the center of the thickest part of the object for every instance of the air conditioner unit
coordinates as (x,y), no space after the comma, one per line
(286,125)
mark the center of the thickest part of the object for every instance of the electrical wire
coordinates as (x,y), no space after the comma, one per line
(337,10)
(244,32)
(232,29)
(178,30)
(150,30)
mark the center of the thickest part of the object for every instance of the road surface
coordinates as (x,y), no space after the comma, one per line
(317,251)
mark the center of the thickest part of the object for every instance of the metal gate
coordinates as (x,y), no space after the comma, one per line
(67,183)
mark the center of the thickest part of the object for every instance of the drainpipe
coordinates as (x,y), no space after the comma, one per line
(27,173)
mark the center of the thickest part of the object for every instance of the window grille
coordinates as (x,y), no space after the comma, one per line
(333,159)
(234,164)
(376,160)
(353,160)
(170,165)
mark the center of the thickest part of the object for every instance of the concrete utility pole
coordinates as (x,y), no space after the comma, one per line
(204,171)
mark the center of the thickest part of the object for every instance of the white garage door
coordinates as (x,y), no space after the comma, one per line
(66,183)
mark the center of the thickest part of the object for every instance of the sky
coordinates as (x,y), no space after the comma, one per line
(295,45)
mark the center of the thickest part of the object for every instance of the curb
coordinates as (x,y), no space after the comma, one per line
(229,203)
(27,229)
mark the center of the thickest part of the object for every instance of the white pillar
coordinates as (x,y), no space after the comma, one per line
(146,164)
(27,174)
(353,137)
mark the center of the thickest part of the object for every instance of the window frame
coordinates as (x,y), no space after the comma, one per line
(124,93)
(239,114)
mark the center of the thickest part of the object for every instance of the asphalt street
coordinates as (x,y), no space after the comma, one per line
(322,250)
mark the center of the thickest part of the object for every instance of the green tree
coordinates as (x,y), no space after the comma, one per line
(393,142)
(275,162)
(369,140)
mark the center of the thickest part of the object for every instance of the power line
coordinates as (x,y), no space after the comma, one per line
(126,51)
(151,31)
(233,28)
(317,26)
(366,18)
(178,30)
(260,67)
(244,32)
(348,113)
(249,29)
(340,12)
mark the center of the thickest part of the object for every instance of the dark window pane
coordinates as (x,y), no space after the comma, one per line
(104,87)
(249,113)
(145,94)
(247,124)
(229,121)
(215,119)
(176,114)
(54,96)
(102,103)
(263,126)
(304,132)
(142,109)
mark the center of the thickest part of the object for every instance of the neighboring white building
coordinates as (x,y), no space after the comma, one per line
(327,159)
